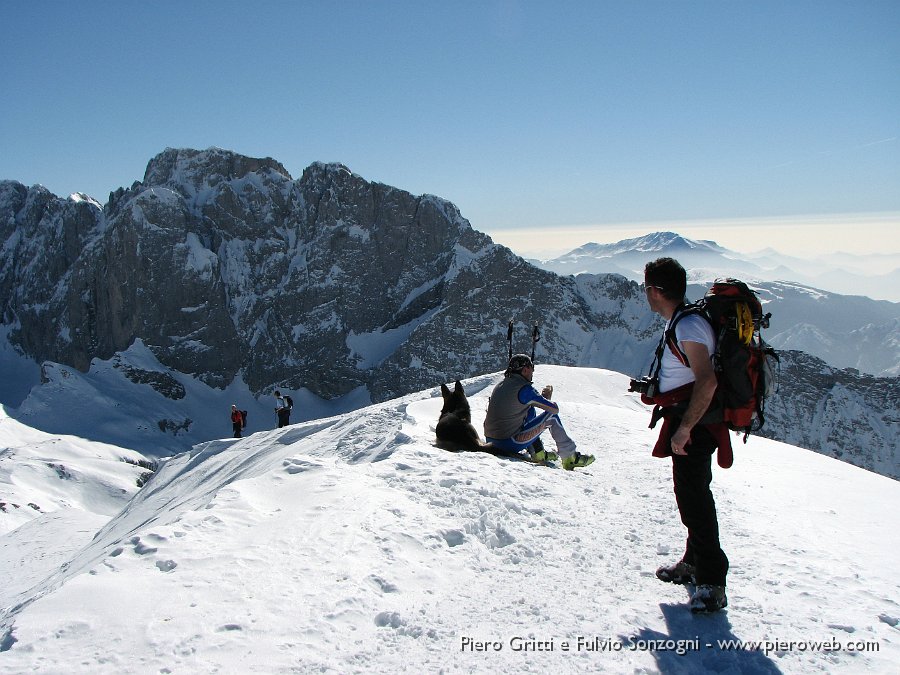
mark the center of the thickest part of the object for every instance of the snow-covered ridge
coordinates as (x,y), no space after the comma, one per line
(352,544)
(239,281)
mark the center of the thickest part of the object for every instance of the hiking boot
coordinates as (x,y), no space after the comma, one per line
(576,459)
(537,453)
(543,456)
(708,598)
(679,573)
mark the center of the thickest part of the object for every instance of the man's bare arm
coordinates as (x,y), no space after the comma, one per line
(701,397)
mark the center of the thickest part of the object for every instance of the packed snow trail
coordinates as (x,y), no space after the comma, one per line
(353,544)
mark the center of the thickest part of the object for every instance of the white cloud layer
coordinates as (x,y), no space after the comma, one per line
(802,236)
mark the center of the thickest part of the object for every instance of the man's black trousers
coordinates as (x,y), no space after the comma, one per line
(692,475)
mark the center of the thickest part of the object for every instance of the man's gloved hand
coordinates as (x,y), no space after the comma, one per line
(547,392)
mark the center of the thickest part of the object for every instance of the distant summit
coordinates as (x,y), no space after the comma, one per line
(629,256)
(666,243)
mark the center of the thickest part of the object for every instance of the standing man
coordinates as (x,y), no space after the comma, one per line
(237,421)
(687,386)
(512,423)
(282,410)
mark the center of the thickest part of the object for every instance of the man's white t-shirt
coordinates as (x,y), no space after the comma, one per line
(692,328)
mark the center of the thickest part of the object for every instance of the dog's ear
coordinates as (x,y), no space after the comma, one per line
(444,391)
(458,388)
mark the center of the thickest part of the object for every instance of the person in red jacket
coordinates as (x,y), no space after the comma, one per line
(237,421)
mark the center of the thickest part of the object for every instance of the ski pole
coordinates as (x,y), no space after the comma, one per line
(509,332)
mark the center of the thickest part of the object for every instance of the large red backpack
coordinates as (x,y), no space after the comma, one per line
(744,363)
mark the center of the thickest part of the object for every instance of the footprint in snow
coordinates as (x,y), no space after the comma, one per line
(453,537)
(295,465)
(891,621)
(389,620)
(166,565)
(383,585)
(140,548)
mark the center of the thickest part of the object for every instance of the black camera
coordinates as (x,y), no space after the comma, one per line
(645,385)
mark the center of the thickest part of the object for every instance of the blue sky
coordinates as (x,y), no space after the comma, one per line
(557,117)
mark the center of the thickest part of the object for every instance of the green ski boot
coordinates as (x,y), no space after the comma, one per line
(544,456)
(577,459)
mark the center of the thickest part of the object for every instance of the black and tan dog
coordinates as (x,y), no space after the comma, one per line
(455,431)
(454,428)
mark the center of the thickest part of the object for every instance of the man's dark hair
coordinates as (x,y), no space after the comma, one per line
(669,276)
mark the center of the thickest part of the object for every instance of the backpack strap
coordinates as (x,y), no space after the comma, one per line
(670,340)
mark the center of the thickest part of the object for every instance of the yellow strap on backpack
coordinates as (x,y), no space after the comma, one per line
(744,322)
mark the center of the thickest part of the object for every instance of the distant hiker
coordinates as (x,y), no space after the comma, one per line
(283,407)
(237,421)
(512,422)
(684,392)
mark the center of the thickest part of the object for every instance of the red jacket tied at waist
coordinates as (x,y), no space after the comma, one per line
(668,408)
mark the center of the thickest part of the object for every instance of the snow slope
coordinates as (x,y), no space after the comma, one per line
(352,544)
(41,473)
(133,414)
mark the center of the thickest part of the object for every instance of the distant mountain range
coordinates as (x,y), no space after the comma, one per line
(220,278)
(844,331)
(842,273)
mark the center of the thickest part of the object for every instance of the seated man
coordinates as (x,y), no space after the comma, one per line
(512,423)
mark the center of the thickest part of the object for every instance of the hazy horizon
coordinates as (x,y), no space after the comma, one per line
(806,237)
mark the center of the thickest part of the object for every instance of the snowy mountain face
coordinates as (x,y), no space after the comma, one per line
(840,413)
(219,278)
(222,264)
(844,331)
(225,265)
(351,544)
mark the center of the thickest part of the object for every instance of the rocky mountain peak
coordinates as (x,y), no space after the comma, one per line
(193,171)
(321,169)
